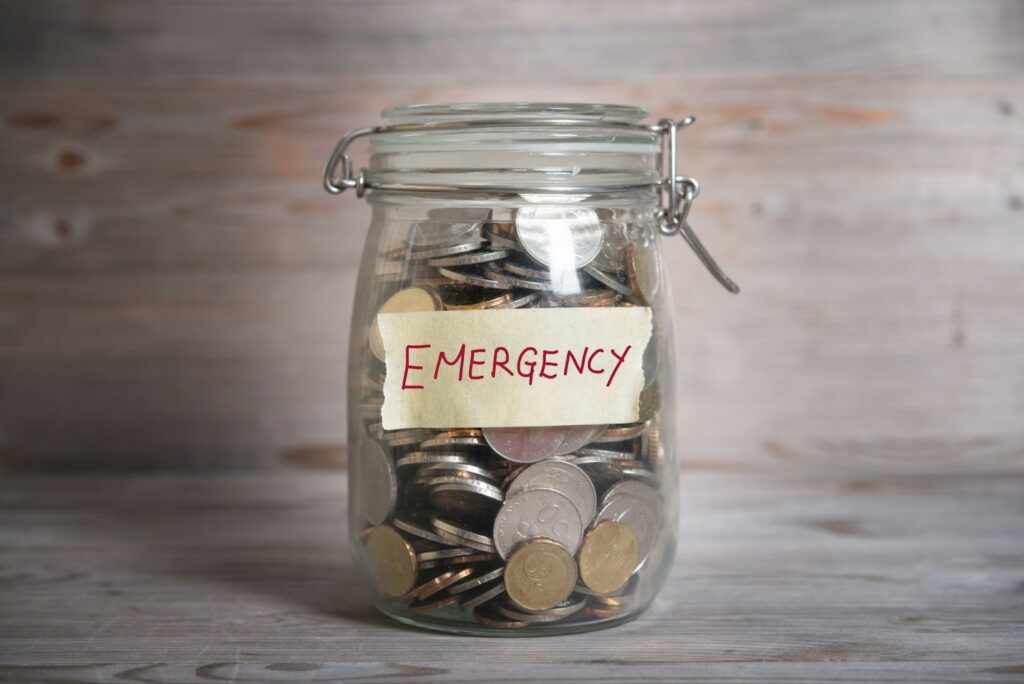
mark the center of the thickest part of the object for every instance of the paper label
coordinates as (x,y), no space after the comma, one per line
(513,367)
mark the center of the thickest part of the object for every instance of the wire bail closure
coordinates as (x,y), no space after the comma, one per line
(677,192)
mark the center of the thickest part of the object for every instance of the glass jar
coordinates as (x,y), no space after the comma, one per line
(511,395)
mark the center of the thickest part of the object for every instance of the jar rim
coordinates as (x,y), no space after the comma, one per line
(462,111)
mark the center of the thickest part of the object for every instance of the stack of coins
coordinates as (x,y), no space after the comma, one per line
(526,526)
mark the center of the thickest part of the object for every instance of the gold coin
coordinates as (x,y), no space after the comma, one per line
(392,560)
(540,574)
(403,301)
(644,271)
(608,556)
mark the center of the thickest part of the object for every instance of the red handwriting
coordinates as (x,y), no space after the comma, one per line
(529,364)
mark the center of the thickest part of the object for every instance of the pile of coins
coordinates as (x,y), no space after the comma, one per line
(524,526)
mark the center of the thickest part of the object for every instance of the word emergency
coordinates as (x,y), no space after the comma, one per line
(422,362)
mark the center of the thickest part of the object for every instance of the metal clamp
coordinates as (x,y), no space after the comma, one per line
(677,192)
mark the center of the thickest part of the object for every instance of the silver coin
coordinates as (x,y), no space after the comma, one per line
(510,280)
(395,438)
(637,489)
(560,237)
(642,475)
(465,499)
(606,453)
(444,553)
(603,472)
(559,612)
(478,581)
(472,278)
(562,477)
(577,436)
(470,259)
(537,513)
(469,471)
(476,599)
(416,458)
(461,536)
(607,280)
(526,444)
(418,531)
(446,442)
(640,515)
(612,257)
(378,484)
(470,245)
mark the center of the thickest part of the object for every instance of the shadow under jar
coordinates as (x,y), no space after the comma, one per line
(511,373)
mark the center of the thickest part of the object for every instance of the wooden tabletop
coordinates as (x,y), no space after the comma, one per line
(788,577)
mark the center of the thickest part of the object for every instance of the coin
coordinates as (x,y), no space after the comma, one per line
(559,612)
(486,615)
(510,280)
(621,433)
(537,513)
(418,531)
(562,477)
(478,557)
(466,500)
(477,597)
(478,581)
(446,553)
(607,280)
(560,237)
(471,277)
(392,560)
(608,556)
(470,259)
(436,604)
(501,300)
(640,515)
(612,257)
(396,438)
(464,470)
(403,301)
(577,436)
(448,250)
(539,575)
(525,444)
(519,301)
(460,536)
(436,584)
(635,489)
(644,271)
(378,485)
(416,458)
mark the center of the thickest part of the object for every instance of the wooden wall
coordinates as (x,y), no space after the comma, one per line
(175,286)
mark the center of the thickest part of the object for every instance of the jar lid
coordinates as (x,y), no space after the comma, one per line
(420,113)
(503,146)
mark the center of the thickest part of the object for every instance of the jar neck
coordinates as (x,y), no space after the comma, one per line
(517,148)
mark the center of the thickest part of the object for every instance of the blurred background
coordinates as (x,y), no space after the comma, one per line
(175,286)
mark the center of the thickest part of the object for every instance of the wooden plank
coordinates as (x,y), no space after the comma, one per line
(443,41)
(174,285)
(246,577)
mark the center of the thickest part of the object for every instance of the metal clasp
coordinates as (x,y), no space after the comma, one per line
(677,195)
(335,184)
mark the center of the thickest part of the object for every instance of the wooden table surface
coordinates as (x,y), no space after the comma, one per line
(786,575)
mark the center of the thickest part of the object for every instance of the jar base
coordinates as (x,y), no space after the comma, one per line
(451,626)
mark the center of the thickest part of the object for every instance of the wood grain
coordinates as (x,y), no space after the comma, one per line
(246,577)
(175,287)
